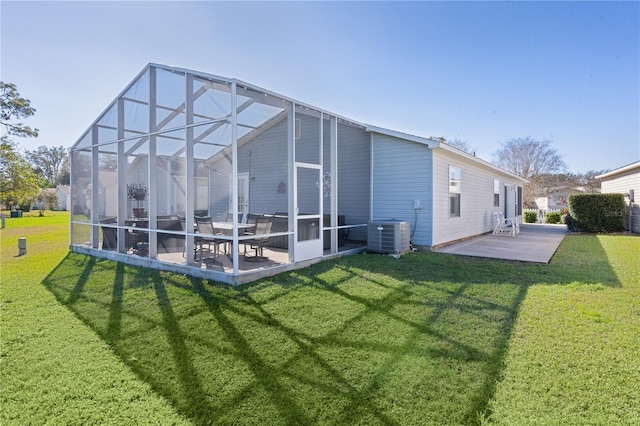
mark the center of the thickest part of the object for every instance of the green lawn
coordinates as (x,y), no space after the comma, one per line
(574,356)
(426,339)
(53,368)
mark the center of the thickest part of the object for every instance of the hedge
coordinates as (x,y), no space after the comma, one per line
(598,212)
(530,217)
(552,217)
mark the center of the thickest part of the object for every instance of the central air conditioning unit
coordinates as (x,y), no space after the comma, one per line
(389,237)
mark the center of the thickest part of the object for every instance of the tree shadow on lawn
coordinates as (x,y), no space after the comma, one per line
(363,339)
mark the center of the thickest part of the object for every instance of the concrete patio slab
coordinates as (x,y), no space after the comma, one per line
(535,243)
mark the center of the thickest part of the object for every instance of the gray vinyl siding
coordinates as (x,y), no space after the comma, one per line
(354,176)
(265,158)
(401,174)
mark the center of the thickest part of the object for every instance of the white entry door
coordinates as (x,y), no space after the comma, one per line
(308,212)
(509,201)
(243,195)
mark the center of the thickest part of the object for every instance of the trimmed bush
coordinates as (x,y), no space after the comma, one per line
(598,212)
(552,217)
(530,217)
(571,223)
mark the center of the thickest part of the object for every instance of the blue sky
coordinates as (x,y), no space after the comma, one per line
(483,72)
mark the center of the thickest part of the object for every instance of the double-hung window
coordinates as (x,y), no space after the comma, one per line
(496,193)
(455,176)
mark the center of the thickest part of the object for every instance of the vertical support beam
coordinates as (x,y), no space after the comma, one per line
(291,181)
(95,186)
(234,172)
(153,174)
(74,190)
(333,135)
(372,151)
(122,179)
(321,182)
(189,170)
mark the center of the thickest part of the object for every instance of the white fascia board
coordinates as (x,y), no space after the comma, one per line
(485,163)
(431,143)
(622,169)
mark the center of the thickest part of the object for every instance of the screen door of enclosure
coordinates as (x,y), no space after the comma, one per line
(308,212)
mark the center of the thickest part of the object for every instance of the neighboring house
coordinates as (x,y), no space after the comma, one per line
(64,197)
(207,145)
(557,198)
(625,180)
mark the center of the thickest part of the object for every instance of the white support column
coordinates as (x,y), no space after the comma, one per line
(95,186)
(234,173)
(333,135)
(189,170)
(291,185)
(321,192)
(372,150)
(122,179)
(73,191)
(153,174)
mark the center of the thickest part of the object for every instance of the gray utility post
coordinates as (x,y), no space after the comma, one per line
(22,246)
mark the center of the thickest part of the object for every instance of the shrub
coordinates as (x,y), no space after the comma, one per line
(530,217)
(571,223)
(25,206)
(598,212)
(552,217)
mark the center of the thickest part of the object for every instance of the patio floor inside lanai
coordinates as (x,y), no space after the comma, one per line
(535,243)
(223,261)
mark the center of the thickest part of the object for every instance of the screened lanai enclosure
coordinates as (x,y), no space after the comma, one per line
(217,178)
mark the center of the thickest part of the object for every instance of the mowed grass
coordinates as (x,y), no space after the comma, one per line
(425,339)
(574,356)
(53,368)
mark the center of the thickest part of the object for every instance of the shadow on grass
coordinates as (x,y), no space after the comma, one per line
(363,339)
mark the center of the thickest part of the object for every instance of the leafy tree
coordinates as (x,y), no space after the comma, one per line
(19,184)
(48,162)
(47,199)
(531,159)
(14,107)
(64,178)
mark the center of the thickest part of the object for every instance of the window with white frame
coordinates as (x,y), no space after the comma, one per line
(496,193)
(455,175)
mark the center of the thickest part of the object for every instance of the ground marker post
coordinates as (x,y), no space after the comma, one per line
(22,246)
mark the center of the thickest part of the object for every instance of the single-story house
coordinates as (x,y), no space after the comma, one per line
(221,179)
(625,180)
(557,197)
(63,192)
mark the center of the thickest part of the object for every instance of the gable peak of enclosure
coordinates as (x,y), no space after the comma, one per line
(215,177)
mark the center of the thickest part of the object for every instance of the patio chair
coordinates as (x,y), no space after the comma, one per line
(263,227)
(205,226)
(229,218)
(109,235)
(183,228)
